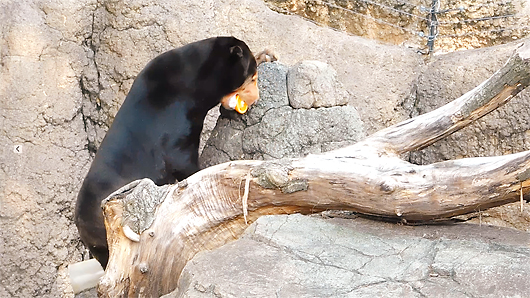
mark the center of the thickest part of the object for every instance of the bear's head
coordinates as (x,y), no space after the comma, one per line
(202,73)
(233,59)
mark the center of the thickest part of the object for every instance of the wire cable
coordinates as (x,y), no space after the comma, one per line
(482,31)
(371,18)
(390,8)
(477,19)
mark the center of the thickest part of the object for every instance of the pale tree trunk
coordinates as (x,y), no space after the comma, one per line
(153,231)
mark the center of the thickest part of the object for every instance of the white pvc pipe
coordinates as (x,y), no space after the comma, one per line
(85,275)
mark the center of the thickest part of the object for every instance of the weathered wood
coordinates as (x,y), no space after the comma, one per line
(210,208)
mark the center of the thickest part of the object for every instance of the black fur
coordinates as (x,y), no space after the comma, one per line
(155,134)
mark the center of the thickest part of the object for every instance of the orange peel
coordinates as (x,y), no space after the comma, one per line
(241,106)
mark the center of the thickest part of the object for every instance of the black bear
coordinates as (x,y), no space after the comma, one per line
(155,134)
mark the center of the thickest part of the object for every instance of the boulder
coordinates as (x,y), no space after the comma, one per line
(311,256)
(273,129)
(314,84)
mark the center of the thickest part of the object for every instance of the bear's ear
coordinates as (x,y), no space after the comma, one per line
(236,52)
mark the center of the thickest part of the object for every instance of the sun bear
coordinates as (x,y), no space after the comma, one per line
(155,133)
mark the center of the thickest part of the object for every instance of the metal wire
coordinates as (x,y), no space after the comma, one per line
(285,11)
(370,17)
(390,8)
(408,3)
(476,19)
(483,31)
(477,6)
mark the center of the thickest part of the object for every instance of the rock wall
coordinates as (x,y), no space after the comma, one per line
(43,154)
(461,24)
(67,65)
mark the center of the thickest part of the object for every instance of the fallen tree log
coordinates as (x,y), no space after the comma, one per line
(153,231)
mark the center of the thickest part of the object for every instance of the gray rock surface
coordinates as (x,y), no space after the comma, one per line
(314,84)
(90,293)
(273,129)
(503,131)
(43,154)
(302,256)
(66,66)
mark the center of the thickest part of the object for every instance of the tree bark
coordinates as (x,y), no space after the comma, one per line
(153,231)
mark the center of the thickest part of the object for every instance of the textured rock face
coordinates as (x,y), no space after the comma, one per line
(273,129)
(301,256)
(503,131)
(66,66)
(42,153)
(313,84)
